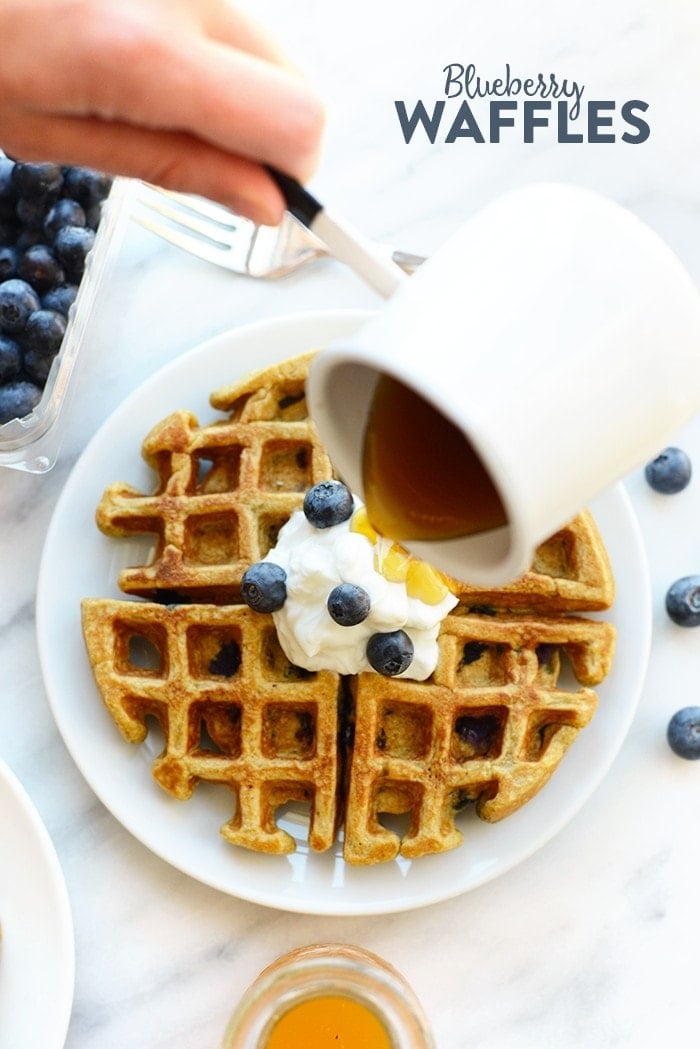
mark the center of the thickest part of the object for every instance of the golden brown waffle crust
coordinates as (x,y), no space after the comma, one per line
(232,709)
(571,572)
(222,491)
(489,727)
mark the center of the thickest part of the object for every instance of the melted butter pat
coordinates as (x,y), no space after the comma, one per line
(395,563)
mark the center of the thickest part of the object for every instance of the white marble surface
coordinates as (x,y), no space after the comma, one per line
(593,941)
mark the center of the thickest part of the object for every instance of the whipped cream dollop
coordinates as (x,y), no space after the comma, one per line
(404,594)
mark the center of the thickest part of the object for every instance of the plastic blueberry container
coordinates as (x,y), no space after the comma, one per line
(33,443)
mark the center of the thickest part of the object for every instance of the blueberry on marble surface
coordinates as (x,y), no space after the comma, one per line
(348,604)
(683,733)
(391,653)
(669,472)
(264,587)
(683,601)
(328,503)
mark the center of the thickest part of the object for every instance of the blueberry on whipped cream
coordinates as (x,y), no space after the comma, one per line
(354,601)
(264,587)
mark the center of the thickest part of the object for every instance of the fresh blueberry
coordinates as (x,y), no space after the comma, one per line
(44,332)
(85,185)
(8,213)
(683,601)
(10,359)
(9,229)
(93,215)
(41,340)
(9,257)
(348,604)
(72,245)
(670,472)
(390,654)
(17,399)
(264,587)
(32,212)
(39,181)
(60,299)
(65,212)
(17,300)
(27,237)
(39,267)
(327,504)
(37,366)
(683,733)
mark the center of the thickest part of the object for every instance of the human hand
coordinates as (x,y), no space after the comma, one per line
(188,94)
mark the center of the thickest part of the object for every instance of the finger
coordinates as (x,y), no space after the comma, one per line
(233,27)
(275,116)
(174,160)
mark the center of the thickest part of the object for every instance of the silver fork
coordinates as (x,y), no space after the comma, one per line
(218,235)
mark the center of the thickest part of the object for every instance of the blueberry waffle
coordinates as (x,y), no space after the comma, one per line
(490,727)
(232,710)
(223,491)
(569,573)
(513,686)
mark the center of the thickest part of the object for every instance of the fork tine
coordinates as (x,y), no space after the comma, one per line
(191,221)
(218,235)
(291,234)
(203,247)
(155,197)
(255,251)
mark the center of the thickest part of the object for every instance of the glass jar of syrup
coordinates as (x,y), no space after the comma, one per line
(328,996)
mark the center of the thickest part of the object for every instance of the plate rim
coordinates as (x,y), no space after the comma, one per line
(221,343)
(61,986)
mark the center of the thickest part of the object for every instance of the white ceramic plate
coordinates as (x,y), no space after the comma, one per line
(37,954)
(78,561)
